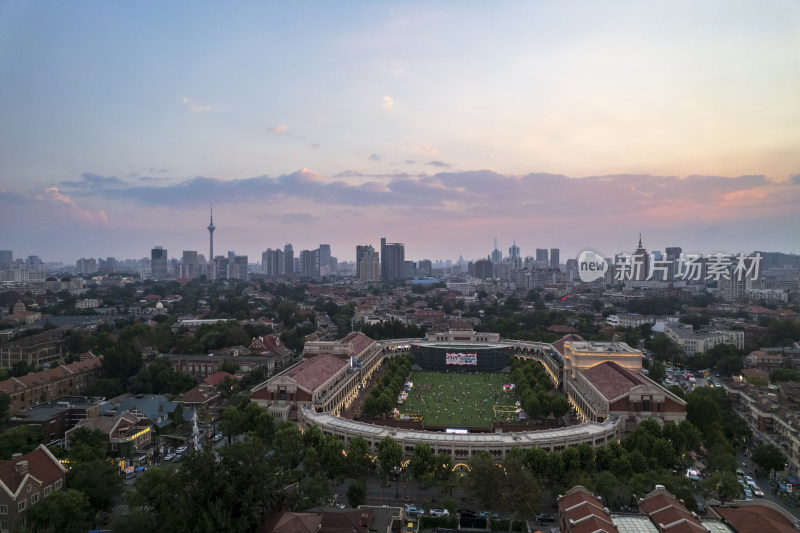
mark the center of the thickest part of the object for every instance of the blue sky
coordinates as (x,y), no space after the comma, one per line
(441,125)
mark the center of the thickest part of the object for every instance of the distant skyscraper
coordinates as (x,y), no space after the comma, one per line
(497,255)
(190,266)
(641,256)
(555,260)
(158,263)
(324,255)
(541,257)
(513,256)
(484,269)
(211,228)
(241,266)
(288,257)
(361,251)
(673,254)
(393,260)
(369,264)
(6,258)
(425,267)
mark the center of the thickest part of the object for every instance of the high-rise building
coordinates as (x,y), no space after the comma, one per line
(273,263)
(673,254)
(369,267)
(158,263)
(425,267)
(541,257)
(6,258)
(190,266)
(393,261)
(555,260)
(211,228)
(309,264)
(86,266)
(221,267)
(288,257)
(361,251)
(497,255)
(484,269)
(513,256)
(641,256)
(241,267)
(324,255)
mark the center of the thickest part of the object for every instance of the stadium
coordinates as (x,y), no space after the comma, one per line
(335,376)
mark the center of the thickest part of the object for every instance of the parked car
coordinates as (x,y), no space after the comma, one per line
(439,512)
(169,457)
(488,514)
(181,449)
(412,510)
(218,437)
(545,518)
(468,513)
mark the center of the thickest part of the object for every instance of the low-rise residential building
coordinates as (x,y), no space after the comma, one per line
(693,342)
(48,385)
(26,480)
(36,350)
(60,415)
(127,435)
(762,360)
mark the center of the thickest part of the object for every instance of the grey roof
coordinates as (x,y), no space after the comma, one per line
(154,407)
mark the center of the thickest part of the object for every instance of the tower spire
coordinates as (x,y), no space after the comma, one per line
(211,229)
(640,240)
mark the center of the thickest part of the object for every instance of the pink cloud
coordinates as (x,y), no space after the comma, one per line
(58,200)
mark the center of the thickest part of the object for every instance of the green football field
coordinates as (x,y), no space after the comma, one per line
(460,400)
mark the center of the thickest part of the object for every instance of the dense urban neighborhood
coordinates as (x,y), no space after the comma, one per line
(288,403)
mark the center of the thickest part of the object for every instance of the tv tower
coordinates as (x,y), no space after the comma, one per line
(211,229)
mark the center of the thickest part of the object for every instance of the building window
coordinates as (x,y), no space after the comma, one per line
(4,526)
(22,505)
(34,498)
(47,491)
(58,483)
(3,509)
(28,489)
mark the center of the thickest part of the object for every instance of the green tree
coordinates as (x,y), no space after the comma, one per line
(422,460)
(483,482)
(768,457)
(105,388)
(521,493)
(20,439)
(358,458)
(390,453)
(98,480)
(65,511)
(86,445)
(657,372)
(357,493)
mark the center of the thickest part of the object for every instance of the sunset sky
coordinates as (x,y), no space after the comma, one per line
(442,125)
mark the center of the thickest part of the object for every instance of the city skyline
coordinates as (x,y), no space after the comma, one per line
(438,126)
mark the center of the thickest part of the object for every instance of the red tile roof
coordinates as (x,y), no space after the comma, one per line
(313,372)
(42,466)
(669,514)
(559,344)
(756,518)
(49,375)
(360,341)
(217,377)
(613,380)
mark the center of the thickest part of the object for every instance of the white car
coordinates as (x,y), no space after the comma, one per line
(181,449)
(169,457)
(218,437)
(758,492)
(439,512)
